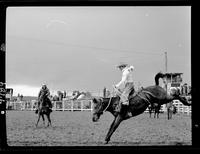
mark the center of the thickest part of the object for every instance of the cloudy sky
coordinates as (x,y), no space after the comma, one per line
(78,48)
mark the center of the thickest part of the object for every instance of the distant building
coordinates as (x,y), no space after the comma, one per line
(9,94)
(173,80)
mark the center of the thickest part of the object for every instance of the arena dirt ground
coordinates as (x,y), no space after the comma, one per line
(77,129)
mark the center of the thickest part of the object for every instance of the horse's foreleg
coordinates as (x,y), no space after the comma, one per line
(38,120)
(113,127)
(49,120)
(43,119)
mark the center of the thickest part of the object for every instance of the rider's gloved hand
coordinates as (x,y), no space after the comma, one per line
(117,89)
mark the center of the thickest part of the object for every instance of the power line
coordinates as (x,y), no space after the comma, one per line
(130,51)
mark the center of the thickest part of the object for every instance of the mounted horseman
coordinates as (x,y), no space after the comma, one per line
(138,103)
(44,93)
(125,86)
(44,106)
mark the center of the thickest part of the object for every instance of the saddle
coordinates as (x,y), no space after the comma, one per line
(133,94)
(119,93)
(118,105)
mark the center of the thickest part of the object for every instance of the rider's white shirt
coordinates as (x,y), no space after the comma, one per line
(127,76)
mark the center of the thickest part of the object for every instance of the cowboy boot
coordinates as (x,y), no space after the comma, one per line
(125,106)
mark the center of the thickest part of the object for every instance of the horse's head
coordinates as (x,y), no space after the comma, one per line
(176,93)
(185,100)
(98,108)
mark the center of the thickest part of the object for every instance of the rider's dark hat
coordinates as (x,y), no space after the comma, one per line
(121,64)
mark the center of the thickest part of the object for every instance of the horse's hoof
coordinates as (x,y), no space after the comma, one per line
(106,142)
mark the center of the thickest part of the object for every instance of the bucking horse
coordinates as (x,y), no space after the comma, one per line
(138,103)
(44,109)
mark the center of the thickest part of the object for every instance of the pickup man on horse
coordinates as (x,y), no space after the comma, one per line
(124,87)
(44,92)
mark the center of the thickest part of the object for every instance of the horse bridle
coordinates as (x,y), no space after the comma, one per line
(108,104)
(101,112)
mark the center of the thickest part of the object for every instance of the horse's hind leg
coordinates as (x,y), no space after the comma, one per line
(167,114)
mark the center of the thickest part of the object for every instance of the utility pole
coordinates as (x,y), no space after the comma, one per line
(165,62)
(166,70)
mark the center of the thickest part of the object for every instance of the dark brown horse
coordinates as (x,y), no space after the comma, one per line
(44,109)
(138,103)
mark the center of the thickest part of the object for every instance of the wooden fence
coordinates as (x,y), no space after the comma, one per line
(81,105)
(65,105)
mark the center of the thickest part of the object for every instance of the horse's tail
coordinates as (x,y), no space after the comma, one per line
(157,77)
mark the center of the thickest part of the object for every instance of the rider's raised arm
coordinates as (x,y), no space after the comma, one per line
(123,80)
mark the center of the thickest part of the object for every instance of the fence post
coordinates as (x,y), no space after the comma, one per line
(63,105)
(91,105)
(31,105)
(81,105)
(72,105)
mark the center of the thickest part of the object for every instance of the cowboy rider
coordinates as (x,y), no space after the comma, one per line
(44,91)
(125,86)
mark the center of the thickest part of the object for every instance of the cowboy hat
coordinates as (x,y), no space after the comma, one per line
(121,64)
(44,84)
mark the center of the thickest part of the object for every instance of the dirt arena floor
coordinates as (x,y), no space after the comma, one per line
(77,129)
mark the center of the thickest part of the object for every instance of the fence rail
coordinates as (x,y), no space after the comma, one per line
(65,105)
(81,105)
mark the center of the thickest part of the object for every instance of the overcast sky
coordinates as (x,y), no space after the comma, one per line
(78,48)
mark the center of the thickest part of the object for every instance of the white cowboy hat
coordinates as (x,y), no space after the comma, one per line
(132,67)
